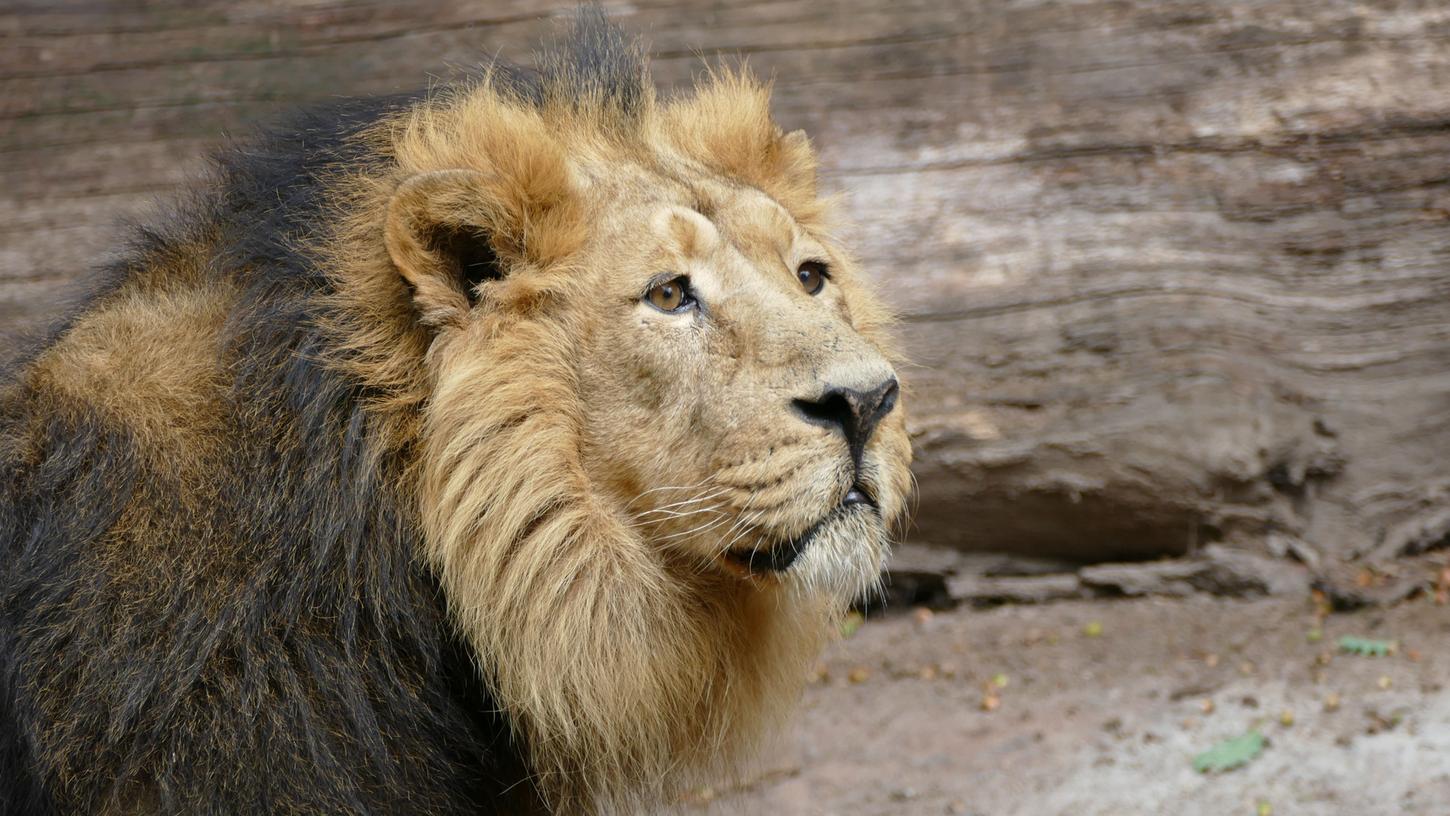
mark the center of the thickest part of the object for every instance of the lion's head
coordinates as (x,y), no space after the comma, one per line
(662,439)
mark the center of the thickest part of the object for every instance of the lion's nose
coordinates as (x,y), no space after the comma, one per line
(856,412)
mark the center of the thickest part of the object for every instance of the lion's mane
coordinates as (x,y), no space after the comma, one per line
(256,557)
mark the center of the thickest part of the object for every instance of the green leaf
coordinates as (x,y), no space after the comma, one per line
(1230,754)
(851,623)
(1366,647)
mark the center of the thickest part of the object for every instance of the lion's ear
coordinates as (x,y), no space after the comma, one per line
(440,234)
(798,161)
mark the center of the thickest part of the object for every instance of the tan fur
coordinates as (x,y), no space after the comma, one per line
(584,462)
(166,388)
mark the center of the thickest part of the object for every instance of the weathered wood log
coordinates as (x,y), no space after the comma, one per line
(1171,272)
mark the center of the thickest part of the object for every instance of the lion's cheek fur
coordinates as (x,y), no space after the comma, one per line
(625,678)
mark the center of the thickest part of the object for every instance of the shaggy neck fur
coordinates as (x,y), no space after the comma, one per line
(627,676)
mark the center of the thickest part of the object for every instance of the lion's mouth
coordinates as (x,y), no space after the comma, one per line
(779,557)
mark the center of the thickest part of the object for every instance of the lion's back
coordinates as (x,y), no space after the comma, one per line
(204,562)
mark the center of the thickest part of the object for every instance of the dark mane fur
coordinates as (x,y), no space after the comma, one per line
(302,590)
(277,647)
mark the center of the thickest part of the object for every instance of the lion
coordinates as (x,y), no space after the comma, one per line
(511,447)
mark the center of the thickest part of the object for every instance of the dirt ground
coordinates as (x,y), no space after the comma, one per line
(1089,708)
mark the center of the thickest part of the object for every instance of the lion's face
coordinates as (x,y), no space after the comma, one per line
(662,438)
(738,401)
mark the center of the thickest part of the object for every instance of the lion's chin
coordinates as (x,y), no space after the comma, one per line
(840,556)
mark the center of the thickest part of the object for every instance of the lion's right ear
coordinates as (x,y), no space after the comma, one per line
(440,234)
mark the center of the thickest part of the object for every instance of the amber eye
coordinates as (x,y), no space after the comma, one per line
(671,296)
(812,275)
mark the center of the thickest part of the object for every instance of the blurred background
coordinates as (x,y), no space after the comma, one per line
(1175,279)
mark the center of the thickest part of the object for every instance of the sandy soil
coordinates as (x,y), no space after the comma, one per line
(1090,708)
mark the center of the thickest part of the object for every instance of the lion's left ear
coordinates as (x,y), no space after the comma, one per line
(797,163)
(727,126)
(450,232)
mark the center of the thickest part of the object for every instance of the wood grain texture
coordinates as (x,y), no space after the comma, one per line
(1171,271)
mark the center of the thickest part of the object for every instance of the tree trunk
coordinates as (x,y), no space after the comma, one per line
(1170,272)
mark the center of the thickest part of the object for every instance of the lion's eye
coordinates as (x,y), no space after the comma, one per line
(813,275)
(670,296)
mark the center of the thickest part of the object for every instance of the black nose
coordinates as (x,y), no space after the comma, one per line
(856,413)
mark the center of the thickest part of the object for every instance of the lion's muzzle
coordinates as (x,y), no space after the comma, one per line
(780,557)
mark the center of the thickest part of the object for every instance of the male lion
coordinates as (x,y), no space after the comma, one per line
(501,449)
